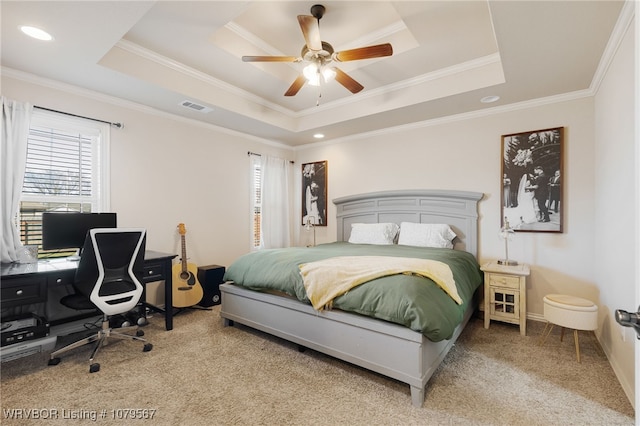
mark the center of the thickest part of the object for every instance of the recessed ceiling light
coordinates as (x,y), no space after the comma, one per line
(318,136)
(36,33)
(489,99)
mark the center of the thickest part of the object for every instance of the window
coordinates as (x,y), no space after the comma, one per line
(66,170)
(256,201)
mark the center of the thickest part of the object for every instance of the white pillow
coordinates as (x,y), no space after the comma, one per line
(426,235)
(373,233)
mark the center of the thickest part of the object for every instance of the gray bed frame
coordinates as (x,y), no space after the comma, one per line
(354,338)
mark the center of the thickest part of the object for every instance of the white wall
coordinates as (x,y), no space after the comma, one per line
(593,258)
(616,216)
(166,170)
(466,155)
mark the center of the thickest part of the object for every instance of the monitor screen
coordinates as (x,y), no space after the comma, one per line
(67,230)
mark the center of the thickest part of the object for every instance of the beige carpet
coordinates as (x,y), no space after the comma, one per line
(204,374)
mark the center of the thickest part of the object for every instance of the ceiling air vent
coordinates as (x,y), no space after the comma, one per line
(196,107)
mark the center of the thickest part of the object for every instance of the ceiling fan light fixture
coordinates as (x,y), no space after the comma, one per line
(328,74)
(318,54)
(313,73)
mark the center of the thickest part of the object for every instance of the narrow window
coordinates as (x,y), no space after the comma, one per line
(256,201)
(66,170)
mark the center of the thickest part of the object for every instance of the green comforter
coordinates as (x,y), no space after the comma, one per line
(413,301)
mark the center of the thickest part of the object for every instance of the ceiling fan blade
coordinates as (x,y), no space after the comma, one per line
(348,82)
(311,32)
(269,59)
(296,86)
(369,52)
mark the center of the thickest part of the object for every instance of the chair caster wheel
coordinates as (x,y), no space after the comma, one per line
(139,333)
(95,367)
(147,347)
(54,361)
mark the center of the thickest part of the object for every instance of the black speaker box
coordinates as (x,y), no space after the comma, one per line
(210,277)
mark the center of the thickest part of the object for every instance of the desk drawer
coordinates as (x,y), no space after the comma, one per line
(153,271)
(23,291)
(61,278)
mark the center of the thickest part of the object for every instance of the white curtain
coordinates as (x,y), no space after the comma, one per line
(275,228)
(15,131)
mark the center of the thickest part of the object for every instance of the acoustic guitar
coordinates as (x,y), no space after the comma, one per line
(187,290)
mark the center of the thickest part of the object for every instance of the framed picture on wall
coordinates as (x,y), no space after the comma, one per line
(532,195)
(314,193)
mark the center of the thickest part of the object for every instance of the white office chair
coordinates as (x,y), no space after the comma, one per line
(109,278)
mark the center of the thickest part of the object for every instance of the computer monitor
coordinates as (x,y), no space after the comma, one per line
(67,230)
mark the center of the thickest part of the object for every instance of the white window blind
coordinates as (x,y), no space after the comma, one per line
(66,170)
(59,163)
(256,200)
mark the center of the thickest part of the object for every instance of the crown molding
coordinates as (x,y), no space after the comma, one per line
(138,50)
(150,55)
(122,103)
(374,36)
(404,84)
(486,112)
(96,96)
(625,19)
(253,39)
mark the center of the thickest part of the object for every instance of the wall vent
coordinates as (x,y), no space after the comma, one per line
(196,107)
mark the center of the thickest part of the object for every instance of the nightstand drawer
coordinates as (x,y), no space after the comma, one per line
(23,291)
(505,281)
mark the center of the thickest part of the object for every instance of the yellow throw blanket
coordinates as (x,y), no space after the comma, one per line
(327,279)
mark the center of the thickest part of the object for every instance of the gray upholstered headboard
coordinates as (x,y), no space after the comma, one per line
(458,209)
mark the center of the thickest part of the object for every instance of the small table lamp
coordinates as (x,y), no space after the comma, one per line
(310,225)
(505,232)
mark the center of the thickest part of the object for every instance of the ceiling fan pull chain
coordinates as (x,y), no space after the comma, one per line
(319,90)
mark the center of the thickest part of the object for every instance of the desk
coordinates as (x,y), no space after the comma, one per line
(26,284)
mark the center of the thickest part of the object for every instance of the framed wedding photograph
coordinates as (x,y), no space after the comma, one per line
(532,192)
(314,193)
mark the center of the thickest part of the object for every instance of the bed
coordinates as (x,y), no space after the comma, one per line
(354,337)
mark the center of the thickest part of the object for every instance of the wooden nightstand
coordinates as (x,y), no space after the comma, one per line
(505,294)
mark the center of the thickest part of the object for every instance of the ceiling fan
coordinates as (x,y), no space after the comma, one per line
(319,54)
